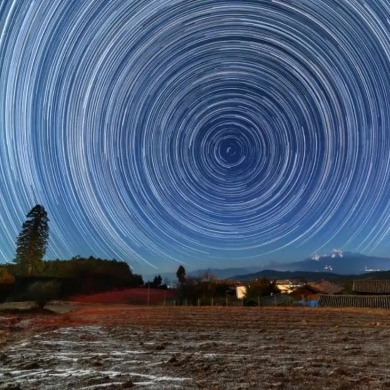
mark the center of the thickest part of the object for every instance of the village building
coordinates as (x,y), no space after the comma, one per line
(370,287)
(313,291)
(288,286)
(368,293)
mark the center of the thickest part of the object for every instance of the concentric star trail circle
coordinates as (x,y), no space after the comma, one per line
(165,131)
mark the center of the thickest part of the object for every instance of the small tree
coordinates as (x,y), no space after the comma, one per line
(181,275)
(156,281)
(43,292)
(32,242)
(189,290)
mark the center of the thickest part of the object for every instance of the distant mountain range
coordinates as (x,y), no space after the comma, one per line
(288,275)
(312,276)
(338,262)
(218,273)
(329,265)
(225,273)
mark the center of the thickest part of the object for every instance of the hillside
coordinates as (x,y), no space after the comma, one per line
(140,296)
(272,274)
(310,276)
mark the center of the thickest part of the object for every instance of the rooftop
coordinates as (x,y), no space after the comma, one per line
(326,287)
(371,286)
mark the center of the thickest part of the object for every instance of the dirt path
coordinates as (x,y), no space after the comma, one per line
(117,347)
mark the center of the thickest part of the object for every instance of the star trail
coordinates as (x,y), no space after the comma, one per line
(203,132)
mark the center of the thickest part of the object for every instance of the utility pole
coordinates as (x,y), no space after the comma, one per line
(148,292)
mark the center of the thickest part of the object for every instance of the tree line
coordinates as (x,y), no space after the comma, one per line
(31,276)
(74,276)
(205,287)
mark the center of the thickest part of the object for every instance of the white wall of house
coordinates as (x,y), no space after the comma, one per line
(240,292)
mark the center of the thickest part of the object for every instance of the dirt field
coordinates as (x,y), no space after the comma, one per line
(114,347)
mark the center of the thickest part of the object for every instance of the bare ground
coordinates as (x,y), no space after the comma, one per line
(113,347)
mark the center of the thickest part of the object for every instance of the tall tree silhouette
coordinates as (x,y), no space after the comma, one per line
(32,242)
(181,274)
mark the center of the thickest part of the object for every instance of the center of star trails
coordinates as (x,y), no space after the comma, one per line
(231,152)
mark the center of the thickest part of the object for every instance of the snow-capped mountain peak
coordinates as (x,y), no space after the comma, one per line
(316,257)
(335,253)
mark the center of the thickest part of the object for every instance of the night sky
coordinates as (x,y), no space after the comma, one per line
(209,133)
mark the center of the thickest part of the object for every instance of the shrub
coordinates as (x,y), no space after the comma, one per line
(5,277)
(6,284)
(43,292)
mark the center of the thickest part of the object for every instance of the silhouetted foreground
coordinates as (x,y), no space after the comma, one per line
(75,276)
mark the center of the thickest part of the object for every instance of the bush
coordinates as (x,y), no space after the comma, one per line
(43,292)
(6,284)
(5,277)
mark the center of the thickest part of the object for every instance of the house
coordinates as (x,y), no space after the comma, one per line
(313,291)
(370,294)
(326,287)
(369,287)
(240,292)
(304,293)
(287,286)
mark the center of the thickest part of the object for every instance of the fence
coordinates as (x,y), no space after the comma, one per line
(274,300)
(375,302)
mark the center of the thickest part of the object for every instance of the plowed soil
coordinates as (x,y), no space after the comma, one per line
(114,347)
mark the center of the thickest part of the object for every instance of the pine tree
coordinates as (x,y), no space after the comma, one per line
(32,242)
